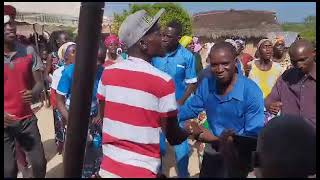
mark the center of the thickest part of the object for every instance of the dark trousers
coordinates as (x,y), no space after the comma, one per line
(26,133)
(214,166)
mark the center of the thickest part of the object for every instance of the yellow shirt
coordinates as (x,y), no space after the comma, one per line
(265,79)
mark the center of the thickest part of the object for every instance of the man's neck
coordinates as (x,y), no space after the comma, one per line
(173,49)
(224,89)
(140,56)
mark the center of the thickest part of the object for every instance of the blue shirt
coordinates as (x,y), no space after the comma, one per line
(181,66)
(65,84)
(241,109)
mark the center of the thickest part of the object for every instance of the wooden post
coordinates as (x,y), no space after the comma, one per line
(90,21)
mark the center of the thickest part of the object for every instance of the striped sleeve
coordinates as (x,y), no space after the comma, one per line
(101,91)
(168,103)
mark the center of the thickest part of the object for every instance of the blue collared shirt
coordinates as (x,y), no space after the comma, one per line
(241,109)
(65,84)
(181,66)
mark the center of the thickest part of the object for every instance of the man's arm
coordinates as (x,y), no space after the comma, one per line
(190,89)
(28,94)
(254,115)
(195,105)
(191,79)
(168,115)
(39,86)
(273,101)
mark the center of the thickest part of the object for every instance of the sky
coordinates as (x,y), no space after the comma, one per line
(285,11)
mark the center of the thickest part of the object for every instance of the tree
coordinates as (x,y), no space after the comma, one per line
(307,29)
(173,12)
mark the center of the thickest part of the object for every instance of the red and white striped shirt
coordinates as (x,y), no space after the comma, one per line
(136,96)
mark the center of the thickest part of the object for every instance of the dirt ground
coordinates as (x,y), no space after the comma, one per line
(54,161)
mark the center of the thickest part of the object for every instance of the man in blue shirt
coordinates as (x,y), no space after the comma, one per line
(180,64)
(231,101)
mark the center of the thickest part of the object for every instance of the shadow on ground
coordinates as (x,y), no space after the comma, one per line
(50,149)
(55,172)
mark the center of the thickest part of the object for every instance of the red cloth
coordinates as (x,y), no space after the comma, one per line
(53,98)
(245,58)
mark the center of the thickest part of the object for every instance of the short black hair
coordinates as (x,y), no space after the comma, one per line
(224,45)
(287,147)
(175,24)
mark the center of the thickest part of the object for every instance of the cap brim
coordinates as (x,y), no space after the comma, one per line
(6,19)
(155,19)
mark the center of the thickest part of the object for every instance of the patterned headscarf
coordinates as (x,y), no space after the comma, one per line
(64,50)
(233,43)
(111,39)
(262,41)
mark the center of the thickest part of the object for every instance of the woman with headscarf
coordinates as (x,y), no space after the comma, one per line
(264,72)
(63,53)
(112,43)
(193,45)
(93,152)
(280,54)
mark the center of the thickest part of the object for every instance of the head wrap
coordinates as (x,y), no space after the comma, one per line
(185,41)
(262,41)
(278,39)
(240,41)
(9,12)
(233,43)
(63,50)
(111,39)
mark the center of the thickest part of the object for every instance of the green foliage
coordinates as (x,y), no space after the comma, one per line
(173,12)
(307,29)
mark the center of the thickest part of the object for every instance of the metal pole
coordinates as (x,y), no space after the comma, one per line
(90,22)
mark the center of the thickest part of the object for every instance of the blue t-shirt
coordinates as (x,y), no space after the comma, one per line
(241,109)
(181,66)
(65,84)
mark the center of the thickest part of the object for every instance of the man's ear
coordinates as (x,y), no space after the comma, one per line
(143,45)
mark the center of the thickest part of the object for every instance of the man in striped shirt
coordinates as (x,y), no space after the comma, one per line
(137,102)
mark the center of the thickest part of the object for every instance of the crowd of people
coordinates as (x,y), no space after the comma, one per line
(249,114)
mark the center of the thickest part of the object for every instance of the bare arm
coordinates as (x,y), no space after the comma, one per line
(190,89)
(174,134)
(61,107)
(39,86)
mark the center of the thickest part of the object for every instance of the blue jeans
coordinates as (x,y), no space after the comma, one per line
(181,153)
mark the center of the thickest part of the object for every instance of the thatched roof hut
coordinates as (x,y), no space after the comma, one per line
(234,23)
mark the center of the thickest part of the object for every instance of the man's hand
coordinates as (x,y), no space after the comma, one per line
(275,107)
(8,119)
(193,128)
(27,96)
